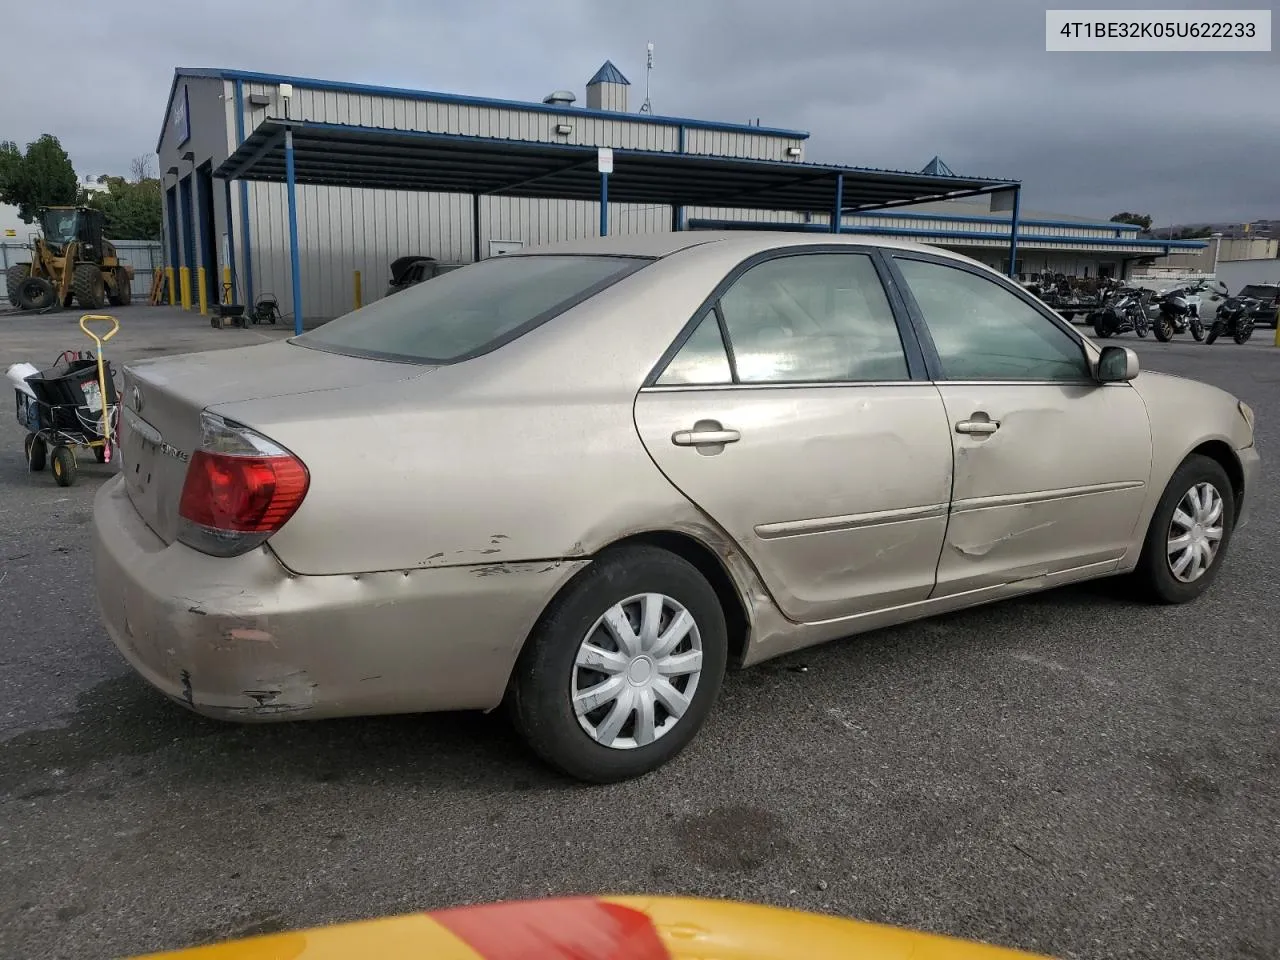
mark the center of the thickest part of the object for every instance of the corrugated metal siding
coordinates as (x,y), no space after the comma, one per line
(725,143)
(396,113)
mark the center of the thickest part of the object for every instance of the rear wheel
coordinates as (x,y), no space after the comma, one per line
(13,278)
(37,452)
(623,668)
(64,466)
(88,286)
(1189,533)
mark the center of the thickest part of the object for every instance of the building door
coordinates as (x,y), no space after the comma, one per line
(208,233)
(188,224)
(171,212)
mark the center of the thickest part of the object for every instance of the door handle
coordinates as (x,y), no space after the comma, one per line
(704,438)
(978,427)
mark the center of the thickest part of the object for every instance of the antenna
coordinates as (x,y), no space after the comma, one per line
(647,106)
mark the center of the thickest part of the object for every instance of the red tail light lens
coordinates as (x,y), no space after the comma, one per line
(242,494)
(240,488)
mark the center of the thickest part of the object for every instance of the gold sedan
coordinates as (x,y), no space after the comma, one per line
(583,480)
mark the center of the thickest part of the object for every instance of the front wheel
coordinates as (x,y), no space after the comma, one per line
(1197,329)
(1215,332)
(1101,329)
(623,668)
(1189,532)
(1141,327)
(64,466)
(1243,331)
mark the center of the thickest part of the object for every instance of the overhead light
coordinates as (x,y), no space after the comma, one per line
(793,151)
(564,129)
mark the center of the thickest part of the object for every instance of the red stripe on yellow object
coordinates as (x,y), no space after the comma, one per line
(578,928)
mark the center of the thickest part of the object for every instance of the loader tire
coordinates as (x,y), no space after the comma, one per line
(122,294)
(88,286)
(36,293)
(13,280)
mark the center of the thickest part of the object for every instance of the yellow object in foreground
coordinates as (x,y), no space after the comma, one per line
(603,928)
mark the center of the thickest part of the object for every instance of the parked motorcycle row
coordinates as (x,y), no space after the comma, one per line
(1128,309)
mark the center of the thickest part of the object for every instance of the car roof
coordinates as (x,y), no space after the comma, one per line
(745,242)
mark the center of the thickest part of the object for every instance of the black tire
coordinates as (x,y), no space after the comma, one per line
(1153,574)
(36,293)
(1163,328)
(13,278)
(36,451)
(100,454)
(1244,330)
(88,287)
(1197,328)
(1215,331)
(1069,316)
(539,698)
(122,293)
(1141,327)
(64,466)
(1100,329)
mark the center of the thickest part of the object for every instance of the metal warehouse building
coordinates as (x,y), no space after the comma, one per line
(376,173)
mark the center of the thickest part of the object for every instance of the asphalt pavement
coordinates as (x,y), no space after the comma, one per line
(1071,773)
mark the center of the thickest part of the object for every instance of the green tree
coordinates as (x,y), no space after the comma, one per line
(1137,219)
(131,209)
(41,177)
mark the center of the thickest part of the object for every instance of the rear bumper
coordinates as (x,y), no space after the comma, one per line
(244,639)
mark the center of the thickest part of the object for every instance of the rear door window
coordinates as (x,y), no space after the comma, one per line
(468,312)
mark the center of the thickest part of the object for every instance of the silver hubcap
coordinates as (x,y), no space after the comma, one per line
(636,671)
(1195,533)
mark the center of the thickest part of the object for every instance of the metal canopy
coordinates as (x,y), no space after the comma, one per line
(326,154)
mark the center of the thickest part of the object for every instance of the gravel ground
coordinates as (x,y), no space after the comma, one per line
(1068,773)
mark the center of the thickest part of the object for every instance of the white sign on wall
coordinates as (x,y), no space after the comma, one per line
(498,247)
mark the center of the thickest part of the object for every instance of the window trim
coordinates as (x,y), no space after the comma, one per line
(515,333)
(917,366)
(934,362)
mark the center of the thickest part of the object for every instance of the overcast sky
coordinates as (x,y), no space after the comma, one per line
(1179,136)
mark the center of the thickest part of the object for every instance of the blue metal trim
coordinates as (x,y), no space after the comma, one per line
(988,184)
(680,134)
(704,224)
(291,188)
(838,207)
(978,218)
(466,101)
(1013,232)
(604,204)
(244,201)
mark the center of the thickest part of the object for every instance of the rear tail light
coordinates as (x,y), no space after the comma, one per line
(240,489)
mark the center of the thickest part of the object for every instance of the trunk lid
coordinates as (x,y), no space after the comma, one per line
(163,398)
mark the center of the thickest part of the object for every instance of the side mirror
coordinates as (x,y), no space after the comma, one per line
(1117,364)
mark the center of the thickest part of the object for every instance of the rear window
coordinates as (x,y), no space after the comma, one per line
(467,312)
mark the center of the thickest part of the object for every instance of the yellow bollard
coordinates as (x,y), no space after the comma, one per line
(228,295)
(358,291)
(173,289)
(1278,329)
(202,288)
(184,282)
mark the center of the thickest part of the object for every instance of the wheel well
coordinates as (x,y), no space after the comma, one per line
(709,565)
(1226,458)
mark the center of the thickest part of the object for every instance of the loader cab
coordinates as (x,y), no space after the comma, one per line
(63,225)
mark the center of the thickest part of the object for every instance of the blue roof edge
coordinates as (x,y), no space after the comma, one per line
(460,99)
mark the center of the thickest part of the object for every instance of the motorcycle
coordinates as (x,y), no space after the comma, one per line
(1179,312)
(1122,311)
(1235,318)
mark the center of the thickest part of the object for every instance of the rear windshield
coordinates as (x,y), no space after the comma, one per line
(464,313)
(1260,291)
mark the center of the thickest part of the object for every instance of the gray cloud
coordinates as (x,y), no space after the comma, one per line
(1181,136)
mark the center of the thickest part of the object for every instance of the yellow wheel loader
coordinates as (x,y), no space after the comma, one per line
(70,260)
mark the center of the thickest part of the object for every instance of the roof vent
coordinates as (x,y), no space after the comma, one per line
(560,98)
